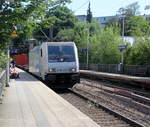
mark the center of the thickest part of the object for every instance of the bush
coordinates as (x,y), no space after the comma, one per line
(140,53)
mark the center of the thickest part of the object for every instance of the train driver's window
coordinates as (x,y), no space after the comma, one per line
(41,53)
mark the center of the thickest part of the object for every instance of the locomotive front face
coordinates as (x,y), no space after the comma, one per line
(62,59)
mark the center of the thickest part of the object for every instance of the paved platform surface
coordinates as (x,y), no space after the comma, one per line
(128,78)
(29,103)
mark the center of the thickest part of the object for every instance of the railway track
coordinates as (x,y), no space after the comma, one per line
(130,109)
(133,88)
(100,115)
(141,97)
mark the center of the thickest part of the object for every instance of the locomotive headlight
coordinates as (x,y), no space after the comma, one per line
(52,70)
(73,69)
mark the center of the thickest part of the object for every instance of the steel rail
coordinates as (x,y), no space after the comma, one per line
(117,114)
(141,92)
(124,92)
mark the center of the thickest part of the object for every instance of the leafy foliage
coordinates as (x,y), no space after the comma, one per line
(65,19)
(137,26)
(130,10)
(125,13)
(61,17)
(139,54)
(104,49)
(14,16)
(102,42)
(65,35)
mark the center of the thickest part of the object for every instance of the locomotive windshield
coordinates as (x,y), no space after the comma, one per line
(61,54)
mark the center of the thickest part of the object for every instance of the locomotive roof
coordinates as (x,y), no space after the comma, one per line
(60,43)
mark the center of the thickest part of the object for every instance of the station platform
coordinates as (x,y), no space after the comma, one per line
(30,103)
(145,81)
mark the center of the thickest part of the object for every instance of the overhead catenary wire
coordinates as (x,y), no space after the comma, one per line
(82,5)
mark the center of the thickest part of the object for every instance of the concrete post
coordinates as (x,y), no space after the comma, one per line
(7,70)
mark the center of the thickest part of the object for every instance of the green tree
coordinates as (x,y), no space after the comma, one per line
(12,15)
(65,19)
(89,14)
(138,26)
(40,20)
(105,49)
(139,53)
(125,13)
(24,17)
(65,35)
(130,10)
(102,42)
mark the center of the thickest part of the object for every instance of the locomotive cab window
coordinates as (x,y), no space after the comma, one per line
(61,54)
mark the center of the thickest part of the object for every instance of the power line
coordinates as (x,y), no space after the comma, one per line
(82,5)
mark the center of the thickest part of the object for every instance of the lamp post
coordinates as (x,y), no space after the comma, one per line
(123,27)
(87,49)
(122,47)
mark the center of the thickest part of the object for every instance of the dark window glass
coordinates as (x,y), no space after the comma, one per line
(61,54)
(54,50)
(68,50)
(41,53)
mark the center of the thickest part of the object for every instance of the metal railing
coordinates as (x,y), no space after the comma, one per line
(2,83)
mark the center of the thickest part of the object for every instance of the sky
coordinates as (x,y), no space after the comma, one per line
(105,7)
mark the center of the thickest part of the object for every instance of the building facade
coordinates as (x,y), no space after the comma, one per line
(81,18)
(104,19)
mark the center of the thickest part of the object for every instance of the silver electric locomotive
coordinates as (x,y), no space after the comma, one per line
(56,63)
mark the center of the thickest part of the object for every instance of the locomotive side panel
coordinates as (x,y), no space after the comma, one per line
(34,57)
